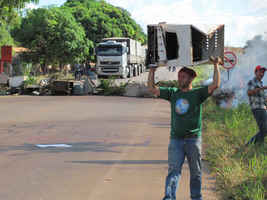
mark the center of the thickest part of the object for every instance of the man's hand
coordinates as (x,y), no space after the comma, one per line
(256,90)
(216,75)
(216,60)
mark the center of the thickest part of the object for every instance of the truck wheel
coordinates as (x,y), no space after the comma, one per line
(130,74)
(143,68)
(135,70)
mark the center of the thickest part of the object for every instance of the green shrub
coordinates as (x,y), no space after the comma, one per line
(31,80)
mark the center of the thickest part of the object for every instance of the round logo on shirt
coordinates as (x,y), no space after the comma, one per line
(182,106)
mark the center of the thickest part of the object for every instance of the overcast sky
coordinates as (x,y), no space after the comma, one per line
(243,19)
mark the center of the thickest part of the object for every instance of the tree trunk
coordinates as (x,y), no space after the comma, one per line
(61,67)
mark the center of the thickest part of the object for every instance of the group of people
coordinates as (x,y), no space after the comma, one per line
(186,122)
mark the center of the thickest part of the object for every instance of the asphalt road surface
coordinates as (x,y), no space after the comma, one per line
(86,148)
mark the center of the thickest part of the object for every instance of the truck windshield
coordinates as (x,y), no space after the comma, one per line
(109,50)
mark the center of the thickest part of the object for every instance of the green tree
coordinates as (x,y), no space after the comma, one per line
(16,3)
(7,11)
(101,19)
(5,37)
(53,37)
(9,18)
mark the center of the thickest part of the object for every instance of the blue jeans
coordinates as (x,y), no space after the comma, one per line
(177,151)
(260,116)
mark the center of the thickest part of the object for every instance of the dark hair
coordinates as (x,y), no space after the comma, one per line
(189,71)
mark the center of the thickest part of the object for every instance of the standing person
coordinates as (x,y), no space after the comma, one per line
(257,101)
(78,72)
(185,134)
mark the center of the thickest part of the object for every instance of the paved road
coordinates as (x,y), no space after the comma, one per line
(107,148)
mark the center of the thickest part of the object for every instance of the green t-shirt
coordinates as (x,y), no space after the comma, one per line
(186,110)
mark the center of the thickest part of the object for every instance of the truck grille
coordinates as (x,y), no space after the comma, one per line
(113,69)
(109,62)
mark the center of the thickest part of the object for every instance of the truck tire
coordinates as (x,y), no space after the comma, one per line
(139,70)
(130,74)
(143,68)
(135,70)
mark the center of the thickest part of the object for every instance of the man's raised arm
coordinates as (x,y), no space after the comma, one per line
(216,76)
(151,82)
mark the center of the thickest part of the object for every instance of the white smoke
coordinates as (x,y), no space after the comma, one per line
(255,53)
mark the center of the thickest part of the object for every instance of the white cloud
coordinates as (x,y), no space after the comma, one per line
(171,13)
(180,12)
(258,4)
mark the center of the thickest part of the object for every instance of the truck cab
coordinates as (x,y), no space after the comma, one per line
(112,59)
(120,56)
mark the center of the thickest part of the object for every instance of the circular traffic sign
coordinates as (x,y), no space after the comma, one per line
(230,60)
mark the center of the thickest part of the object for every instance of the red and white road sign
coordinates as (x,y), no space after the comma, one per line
(230,59)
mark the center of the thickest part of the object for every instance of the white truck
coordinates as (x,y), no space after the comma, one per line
(123,57)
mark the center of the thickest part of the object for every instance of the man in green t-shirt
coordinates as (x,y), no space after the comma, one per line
(185,137)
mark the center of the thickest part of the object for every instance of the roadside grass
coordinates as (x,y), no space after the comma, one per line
(241,171)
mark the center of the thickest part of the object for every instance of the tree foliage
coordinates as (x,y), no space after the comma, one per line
(101,20)
(53,37)
(16,3)
(5,37)
(7,11)
(9,18)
